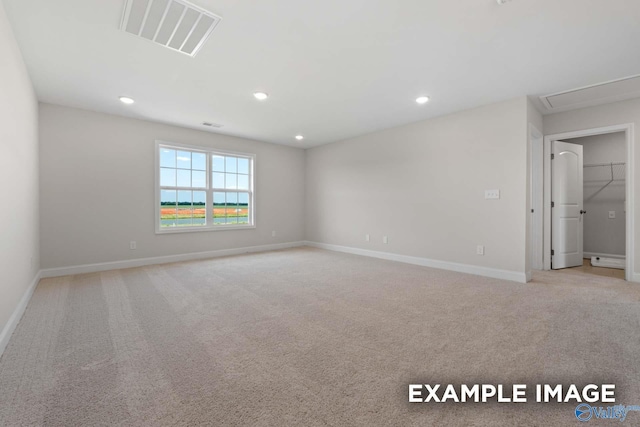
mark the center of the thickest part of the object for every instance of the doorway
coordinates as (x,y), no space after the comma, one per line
(595,219)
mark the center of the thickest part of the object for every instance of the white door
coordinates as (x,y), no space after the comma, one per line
(567,205)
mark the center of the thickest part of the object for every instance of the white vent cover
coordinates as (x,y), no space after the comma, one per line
(210,124)
(176,24)
(617,90)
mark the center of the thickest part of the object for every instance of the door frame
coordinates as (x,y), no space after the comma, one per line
(628,129)
(536,148)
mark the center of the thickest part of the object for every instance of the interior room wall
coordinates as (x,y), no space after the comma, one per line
(604,235)
(98,190)
(423,186)
(601,116)
(19,262)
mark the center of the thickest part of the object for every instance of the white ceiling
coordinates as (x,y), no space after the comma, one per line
(334,68)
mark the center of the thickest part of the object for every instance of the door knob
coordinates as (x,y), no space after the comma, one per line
(583,212)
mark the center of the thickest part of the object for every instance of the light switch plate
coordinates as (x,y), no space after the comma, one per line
(492,194)
(612,214)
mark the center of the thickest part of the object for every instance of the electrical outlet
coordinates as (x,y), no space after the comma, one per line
(491,194)
(367,238)
(273,233)
(612,214)
(480,250)
(385,239)
(132,245)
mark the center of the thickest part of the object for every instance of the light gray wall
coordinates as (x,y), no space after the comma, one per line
(97,189)
(423,186)
(606,115)
(603,235)
(19,260)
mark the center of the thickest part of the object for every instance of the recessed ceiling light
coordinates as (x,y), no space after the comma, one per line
(299,137)
(422,99)
(126,100)
(261,95)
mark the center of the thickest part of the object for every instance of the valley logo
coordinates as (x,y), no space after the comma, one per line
(585,412)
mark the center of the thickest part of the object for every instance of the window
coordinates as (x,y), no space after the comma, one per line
(202,189)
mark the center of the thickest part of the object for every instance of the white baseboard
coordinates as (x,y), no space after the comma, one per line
(139,262)
(11,325)
(634,277)
(513,276)
(592,254)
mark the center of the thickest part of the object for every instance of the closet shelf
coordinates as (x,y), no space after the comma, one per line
(614,171)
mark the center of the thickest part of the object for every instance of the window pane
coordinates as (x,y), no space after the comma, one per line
(219,209)
(231,164)
(232,199)
(184,159)
(231,181)
(232,208)
(199,179)
(167,208)
(218,180)
(243,165)
(199,198)
(184,208)
(243,206)
(243,182)
(167,177)
(184,217)
(184,178)
(168,197)
(167,158)
(217,163)
(199,161)
(199,207)
(219,199)
(184,198)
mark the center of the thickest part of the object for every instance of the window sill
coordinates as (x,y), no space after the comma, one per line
(176,230)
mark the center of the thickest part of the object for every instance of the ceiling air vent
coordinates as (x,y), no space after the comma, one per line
(613,91)
(213,125)
(175,24)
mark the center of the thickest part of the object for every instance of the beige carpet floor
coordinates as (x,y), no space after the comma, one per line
(308,337)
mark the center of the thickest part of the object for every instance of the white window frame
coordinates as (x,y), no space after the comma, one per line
(210,226)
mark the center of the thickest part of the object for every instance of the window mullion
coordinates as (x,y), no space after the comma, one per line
(209,210)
